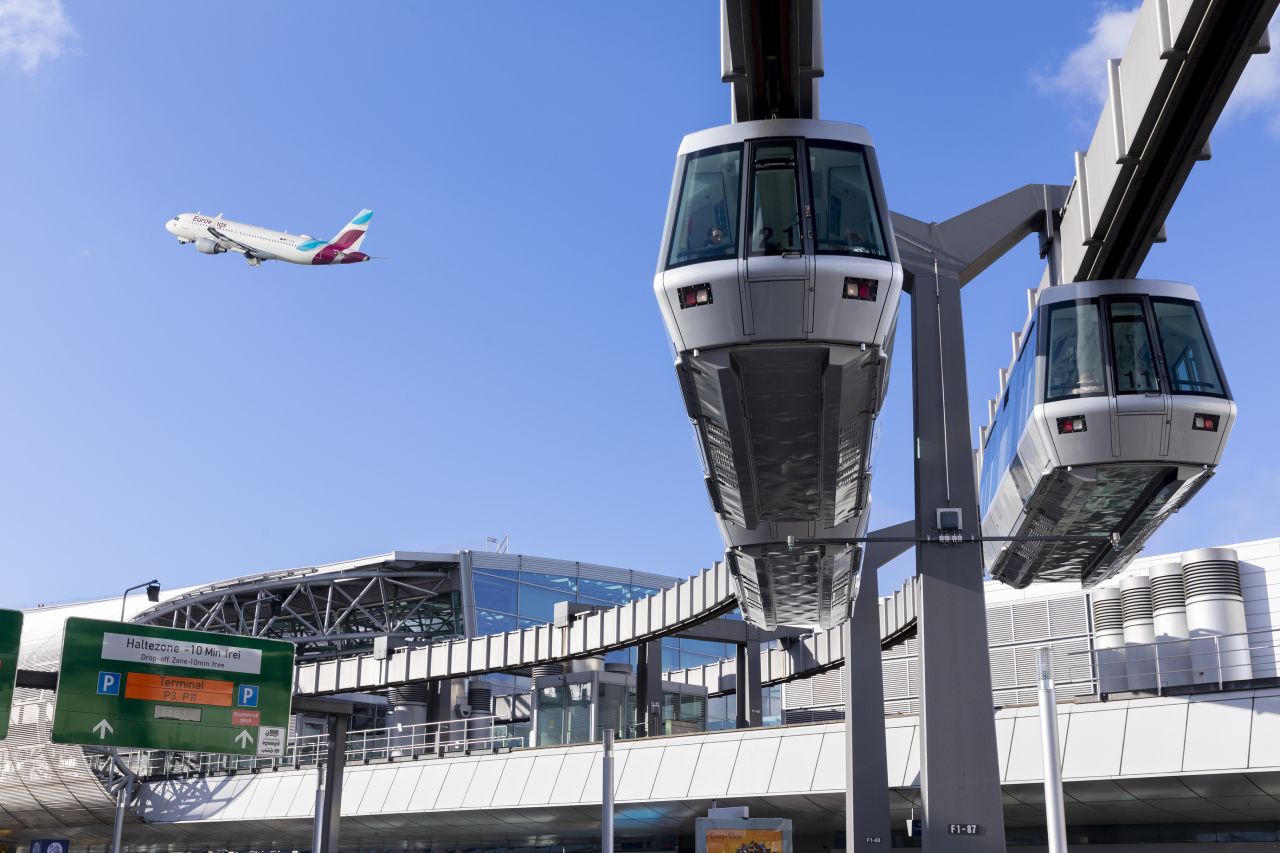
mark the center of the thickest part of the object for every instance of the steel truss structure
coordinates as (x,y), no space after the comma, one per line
(330,610)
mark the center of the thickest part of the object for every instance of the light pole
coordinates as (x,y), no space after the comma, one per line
(1054,811)
(153,594)
(606,816)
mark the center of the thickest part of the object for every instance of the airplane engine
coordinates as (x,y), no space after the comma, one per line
(209,247)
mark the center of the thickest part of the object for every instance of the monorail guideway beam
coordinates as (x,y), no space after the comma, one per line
(1165,94)
(960,778)
(771,55)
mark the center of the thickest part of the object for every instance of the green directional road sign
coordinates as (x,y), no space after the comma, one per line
(10,637)
(166,688)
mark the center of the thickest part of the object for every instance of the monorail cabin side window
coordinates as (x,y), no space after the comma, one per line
(844,209)
(1132,358)
(1187,356)
(1074,351)
(706,225)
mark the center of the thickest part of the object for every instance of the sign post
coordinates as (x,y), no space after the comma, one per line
(10,637)
(167,688)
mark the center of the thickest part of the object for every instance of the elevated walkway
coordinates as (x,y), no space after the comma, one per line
(689,603)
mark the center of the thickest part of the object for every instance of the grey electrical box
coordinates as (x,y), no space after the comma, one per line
(950,518)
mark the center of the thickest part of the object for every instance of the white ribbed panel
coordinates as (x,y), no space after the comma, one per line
(1215,615)
(1108,638)
(1169,610)
(43,785)
(1139,631)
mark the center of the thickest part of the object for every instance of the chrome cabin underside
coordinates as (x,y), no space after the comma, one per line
(800,585)
(1076,503)
(785,431)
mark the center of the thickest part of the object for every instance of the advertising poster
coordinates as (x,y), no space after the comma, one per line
(744,841)
(743,835)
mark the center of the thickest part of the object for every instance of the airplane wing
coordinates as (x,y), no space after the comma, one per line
(236,245)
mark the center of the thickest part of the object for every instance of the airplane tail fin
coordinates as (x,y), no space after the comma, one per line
(350,237)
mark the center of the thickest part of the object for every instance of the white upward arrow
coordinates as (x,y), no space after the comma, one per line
(103,728)
(244,738)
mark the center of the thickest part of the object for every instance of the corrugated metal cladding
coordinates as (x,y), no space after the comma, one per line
(547,566)
(1015,631)
(44,784)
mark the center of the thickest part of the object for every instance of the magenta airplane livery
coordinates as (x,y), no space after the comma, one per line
(213,235)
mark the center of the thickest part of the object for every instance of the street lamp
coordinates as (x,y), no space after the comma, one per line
(153,594)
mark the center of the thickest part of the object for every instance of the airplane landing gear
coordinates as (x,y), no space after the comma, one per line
(254,262)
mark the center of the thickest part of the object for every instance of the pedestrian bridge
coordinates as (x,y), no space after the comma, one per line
(1208,757)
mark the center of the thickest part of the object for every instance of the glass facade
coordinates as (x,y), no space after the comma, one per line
(564,709)
(506,600)
(722,711)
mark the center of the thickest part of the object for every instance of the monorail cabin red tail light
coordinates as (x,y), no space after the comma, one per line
(694,295)
(860,288)
(1075,423)
(1207,423)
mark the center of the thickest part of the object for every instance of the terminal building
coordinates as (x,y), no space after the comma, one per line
(1169,711)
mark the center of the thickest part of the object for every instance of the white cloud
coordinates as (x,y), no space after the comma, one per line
(1258,91)
(32,31)
(1083,74)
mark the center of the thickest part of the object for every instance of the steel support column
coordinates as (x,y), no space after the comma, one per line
(866,792)
(747,697)
(331,813)
(649,689)
(959,775)
(124,794)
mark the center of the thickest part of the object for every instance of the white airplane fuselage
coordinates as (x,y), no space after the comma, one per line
(214,235)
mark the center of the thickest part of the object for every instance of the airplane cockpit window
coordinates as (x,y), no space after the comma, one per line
(1074,351)
(706,223)
(775,201)
(845,217)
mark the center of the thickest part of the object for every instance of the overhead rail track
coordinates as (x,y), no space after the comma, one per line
(771,55)
(1164,97)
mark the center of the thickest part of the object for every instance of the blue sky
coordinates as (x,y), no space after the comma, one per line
(506,371)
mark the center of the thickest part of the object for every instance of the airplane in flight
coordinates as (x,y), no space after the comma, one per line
(214,235)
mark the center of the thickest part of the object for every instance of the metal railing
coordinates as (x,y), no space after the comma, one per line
(424,740)
(1211,661)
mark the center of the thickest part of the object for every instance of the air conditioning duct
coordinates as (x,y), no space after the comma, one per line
(1169,613)
(1215,616)
(1108,639)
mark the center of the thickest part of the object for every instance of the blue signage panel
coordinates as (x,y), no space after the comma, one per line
(50,845)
